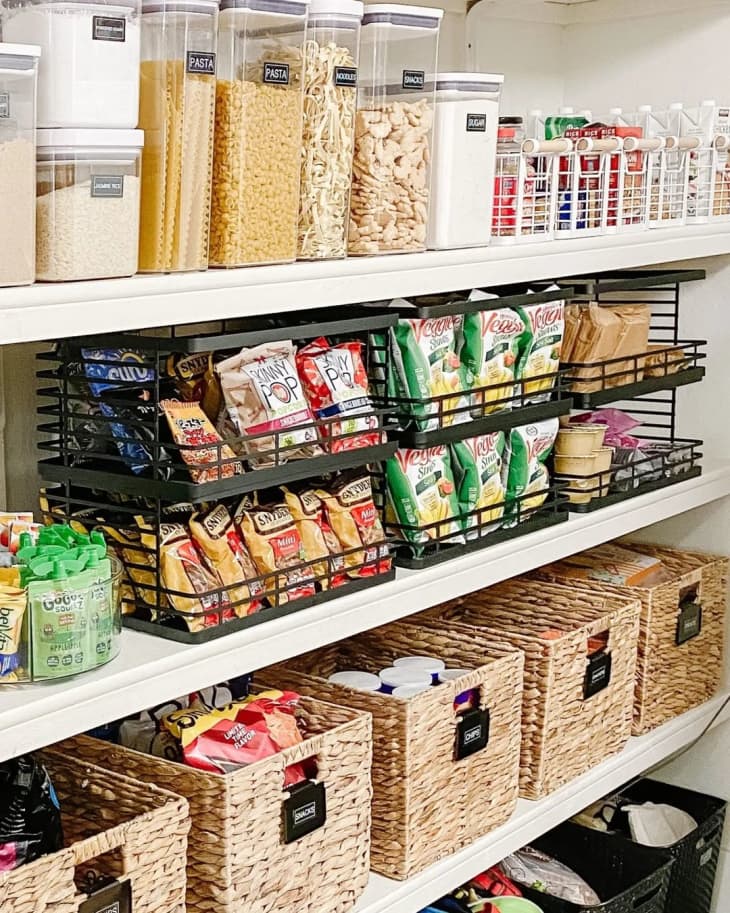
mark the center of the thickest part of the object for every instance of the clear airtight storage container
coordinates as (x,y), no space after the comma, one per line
(463,159)
(89,68)
(328,133)
(87,206)
(258,132)
(390,179)
(176,112)
(18,70)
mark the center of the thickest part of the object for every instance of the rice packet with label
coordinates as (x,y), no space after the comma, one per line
(540,347)
(422,496)
(529,447)
(428,370)
(489,351)
(478,472)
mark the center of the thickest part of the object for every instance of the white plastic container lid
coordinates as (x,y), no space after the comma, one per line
(406,691)
(362,681)
(448,675)
(275,7)
(394,676)
(180,6)
(399,14)
(336,8)
(468,82)
(19,50)
(102,139)
(429,664)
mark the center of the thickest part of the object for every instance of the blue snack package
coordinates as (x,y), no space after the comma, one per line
(112,369)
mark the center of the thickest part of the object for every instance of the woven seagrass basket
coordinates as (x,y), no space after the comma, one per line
(576,708)
(114,828)
(426,803)
(238,857)
(680,657)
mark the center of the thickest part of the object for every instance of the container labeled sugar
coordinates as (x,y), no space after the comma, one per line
(89,67)
(429,664)
(176,112)
(395,676)
(18,70)
(87,204)
(353,678)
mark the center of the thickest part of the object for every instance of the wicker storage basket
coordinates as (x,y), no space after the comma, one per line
(426,804)
(566,727)
(673,674)
(113,827)
(238,858)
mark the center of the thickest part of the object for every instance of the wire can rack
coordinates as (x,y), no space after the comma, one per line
(709,182)
(668,198)
(524,196)
(584,185)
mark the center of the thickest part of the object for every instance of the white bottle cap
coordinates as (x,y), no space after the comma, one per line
(615,110)
(566,109)
(394,676)
(586,113)
(709,103)
(645,108)
(536,112)
(405,691)
(352,678)
(448,675)
(676,106)
(426,663)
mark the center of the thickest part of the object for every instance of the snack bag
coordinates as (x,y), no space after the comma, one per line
(318,538)
(264,396)
(139,566)
(422,493)
(428,367)
(336,384)
(478,473)
(190,426)
(489,350)
(215,535)
(352,514)
(529,448)
(274,543)
(188,374)
(539,348)
(13,634)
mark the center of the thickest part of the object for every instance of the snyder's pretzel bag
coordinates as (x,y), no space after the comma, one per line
(336,384)
(216,536)
(273,541)
(527,474)
(352,514)
(318,538)
(540,346)
(478,469)
(263,396)
(191,427)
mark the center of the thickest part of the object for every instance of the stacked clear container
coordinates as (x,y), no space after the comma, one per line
(258,130)
(18,72)
(89,68)
(177,110)
(328,128)
(390,179)
(462,168)
(87,204)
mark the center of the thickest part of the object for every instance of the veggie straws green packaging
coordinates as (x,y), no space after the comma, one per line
(529,448)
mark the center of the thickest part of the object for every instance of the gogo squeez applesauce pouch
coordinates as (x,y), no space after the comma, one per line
(528,450)
(539,347)
(421,494)
(478,471)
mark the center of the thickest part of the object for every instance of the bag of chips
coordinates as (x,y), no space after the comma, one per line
(528,451)
(355,519)
(216,536)
(422,494)
(266,404)
(273,541)
(540,346)
(30,817)
(320,542)
(489,352)
(190,427)
(336,384)
(478,472)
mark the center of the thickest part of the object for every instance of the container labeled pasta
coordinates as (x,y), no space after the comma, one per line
(258,131)
(177,109)
(390,172)
(328,127)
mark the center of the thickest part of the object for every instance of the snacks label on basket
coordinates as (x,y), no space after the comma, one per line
(355,519)
(478,471)
(540,348)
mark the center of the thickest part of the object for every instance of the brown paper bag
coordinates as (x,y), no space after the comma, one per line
(633,340)
(598,334)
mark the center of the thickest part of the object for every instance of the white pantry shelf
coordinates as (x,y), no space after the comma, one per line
(531,819)
(55,311)
(150,670)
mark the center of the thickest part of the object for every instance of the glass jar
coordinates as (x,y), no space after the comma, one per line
(87,205)
(177,113)
(89,68)
(328,137)
(18,72)
(462,167)
(390,173)
(258,132)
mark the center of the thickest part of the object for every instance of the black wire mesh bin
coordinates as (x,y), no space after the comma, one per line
(627,878)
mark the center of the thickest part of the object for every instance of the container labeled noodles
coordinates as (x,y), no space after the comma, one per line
(390,172)
(328,127)
(177,108)
(258,132)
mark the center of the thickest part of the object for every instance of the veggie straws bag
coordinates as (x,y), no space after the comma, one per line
(529,448)
(478,471)
(540,346)
(489,352)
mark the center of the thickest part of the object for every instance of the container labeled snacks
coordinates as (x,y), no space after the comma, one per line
(89,68)
(87,204)
(328,127)
(258,128)
(466,118)
(18,69)
(390,172)
(177,108)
